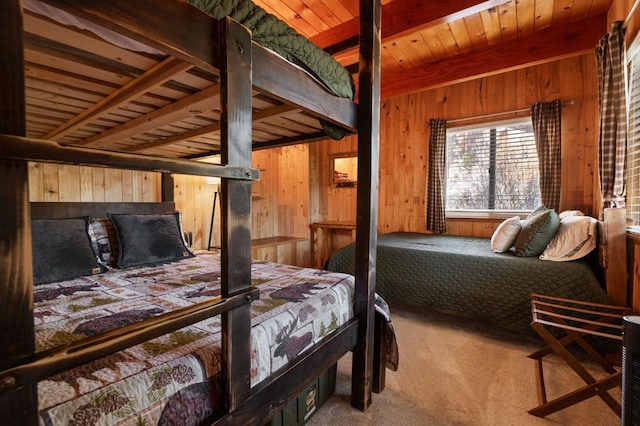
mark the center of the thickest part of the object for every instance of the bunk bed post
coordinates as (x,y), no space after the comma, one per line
(367,199)
(235,74)
(16,285)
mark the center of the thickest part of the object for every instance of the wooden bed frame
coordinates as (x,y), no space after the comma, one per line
(230,54)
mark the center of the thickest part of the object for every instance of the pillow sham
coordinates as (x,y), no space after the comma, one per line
(505,234)
(568,213)
(104,241)
(149,239)
(61,250)
(576,237)
(536,233)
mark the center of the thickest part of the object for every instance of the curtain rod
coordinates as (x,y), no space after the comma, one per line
(630,15)
(495,114)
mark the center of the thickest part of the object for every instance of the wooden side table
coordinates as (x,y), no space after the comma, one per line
(321,237)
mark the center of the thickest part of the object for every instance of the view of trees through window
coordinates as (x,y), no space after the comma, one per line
(492,167)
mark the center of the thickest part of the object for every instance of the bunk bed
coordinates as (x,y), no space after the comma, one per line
(249,81)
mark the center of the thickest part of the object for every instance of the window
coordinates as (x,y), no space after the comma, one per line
(492,167)
(633,135)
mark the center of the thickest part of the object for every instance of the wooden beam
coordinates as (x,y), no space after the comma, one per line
(159,29)
(204,100)
(153,77)
(17,342)
(278,80)
(367,202)
(27,149)
(191,134)
(236,96)
(404,17)
(544,46)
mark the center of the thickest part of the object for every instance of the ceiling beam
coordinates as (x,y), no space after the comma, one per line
(401,18)
(544,46)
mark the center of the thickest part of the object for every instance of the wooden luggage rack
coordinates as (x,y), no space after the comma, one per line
(561,322)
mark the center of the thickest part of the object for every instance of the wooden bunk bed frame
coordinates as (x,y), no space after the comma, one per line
(242,67)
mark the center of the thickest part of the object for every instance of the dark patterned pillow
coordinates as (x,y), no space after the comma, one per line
(537,231)
(62,250)
(149,239)
(104,241)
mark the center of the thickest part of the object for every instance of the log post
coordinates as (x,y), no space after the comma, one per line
(16,275)
(235,67)
(367,199)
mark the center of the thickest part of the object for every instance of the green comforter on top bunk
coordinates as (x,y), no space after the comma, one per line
(462,276)
(274,34)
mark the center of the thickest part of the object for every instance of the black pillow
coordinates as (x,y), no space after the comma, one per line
(149,239)
(62,250)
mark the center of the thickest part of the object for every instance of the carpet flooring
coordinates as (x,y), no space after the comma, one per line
(456,372)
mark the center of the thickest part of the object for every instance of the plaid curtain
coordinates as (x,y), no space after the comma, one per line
(437,175)
(610,58)
(545,117)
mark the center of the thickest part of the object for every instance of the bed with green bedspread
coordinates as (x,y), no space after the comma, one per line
(462,276)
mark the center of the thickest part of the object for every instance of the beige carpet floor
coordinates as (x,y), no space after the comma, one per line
(455,372)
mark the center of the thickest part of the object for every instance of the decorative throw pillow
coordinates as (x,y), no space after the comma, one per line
(104,240)
(149,239)
(537,211)
(576,237)
(62,250)
(505,234)
(537,231)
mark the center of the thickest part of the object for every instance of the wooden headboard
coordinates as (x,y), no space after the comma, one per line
(57,210)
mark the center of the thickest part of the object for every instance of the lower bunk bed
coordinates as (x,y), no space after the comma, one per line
(462,276)
(143,270)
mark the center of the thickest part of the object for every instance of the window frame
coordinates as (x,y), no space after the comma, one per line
(484,213)
(632,192)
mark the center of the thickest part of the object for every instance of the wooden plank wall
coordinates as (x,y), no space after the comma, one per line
(54,182)
(280,203)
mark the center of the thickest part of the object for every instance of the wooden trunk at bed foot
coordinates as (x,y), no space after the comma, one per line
(307,403)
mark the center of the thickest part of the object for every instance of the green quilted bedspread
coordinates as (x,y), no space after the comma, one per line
(462,276)
(274,34)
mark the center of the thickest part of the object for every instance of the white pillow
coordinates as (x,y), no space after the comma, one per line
(505,234)
(568,213)
(575,238)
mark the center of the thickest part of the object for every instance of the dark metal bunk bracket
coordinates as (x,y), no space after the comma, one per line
(59,359)
(367,201)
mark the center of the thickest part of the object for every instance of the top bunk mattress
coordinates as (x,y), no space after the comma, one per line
(151,383)
(462,276)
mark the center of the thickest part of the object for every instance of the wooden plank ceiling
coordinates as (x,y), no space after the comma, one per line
(81,90)
(428,44)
